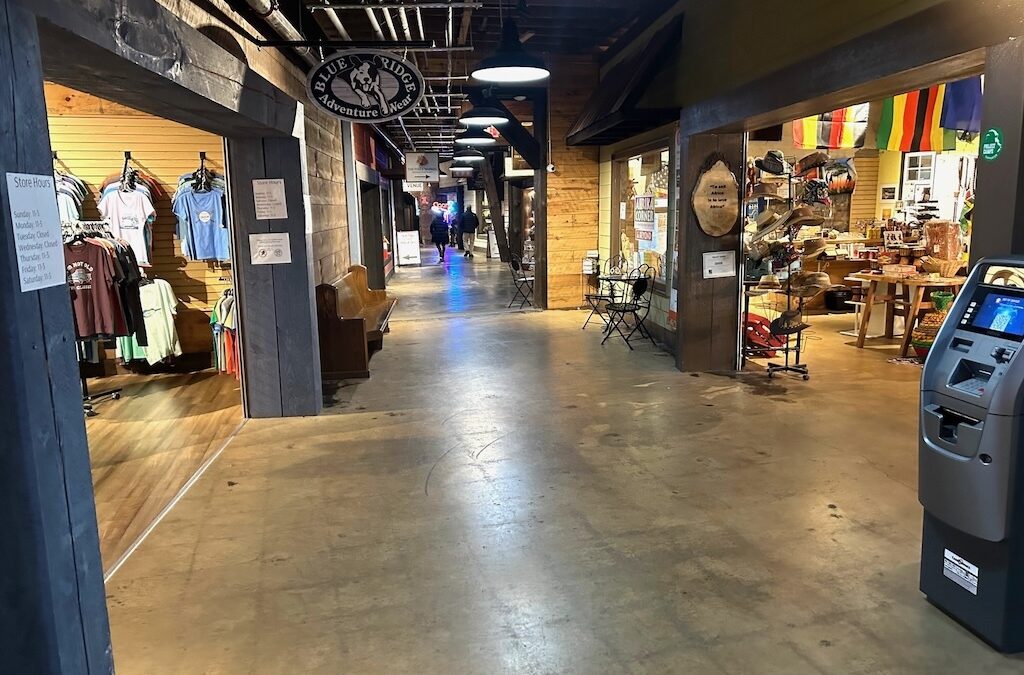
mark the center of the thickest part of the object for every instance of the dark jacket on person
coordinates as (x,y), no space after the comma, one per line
(438,230)
(468,222)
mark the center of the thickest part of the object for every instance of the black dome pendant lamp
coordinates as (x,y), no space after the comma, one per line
(511,62)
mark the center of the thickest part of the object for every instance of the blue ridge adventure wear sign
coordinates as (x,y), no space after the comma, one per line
(366,85)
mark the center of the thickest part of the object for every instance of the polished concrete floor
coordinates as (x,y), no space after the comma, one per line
(505,495)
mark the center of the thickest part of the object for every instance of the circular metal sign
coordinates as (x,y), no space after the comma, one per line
(365,85)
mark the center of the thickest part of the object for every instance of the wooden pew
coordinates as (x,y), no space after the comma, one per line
(352,320)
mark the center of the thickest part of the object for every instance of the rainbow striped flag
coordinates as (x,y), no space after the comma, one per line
(911,122)
(843,128)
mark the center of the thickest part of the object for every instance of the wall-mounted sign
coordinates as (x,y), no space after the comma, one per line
(365,85)
(38,247)
(992,144)
(412,187)
(716,200)
(719,264)
(270,248)
(422,166)
(268,195)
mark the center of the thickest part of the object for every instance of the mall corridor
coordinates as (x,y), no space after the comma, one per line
(504,495)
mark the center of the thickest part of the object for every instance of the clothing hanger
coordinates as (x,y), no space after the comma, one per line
(129,176)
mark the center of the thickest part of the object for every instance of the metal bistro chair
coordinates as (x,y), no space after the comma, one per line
(523,282)
(636,305)
(605,290)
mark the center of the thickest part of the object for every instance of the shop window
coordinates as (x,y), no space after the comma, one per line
(643,217)
(918,176)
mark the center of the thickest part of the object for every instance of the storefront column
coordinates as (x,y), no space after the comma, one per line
(280,349)
(53,616)
(707,309)
(998,227)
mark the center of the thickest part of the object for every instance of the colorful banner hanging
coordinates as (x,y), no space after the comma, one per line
(843,128)
(961,107)
(911,122)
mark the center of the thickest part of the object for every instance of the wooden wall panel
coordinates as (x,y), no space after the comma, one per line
(865,195)
(572,190)
(325,169)
(90,142)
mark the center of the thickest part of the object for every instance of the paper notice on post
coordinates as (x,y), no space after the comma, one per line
(36,223)
(268,193)
(271,248)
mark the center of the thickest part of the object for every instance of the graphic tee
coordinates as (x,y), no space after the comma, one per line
(201,225)
(130,214)
(94,297)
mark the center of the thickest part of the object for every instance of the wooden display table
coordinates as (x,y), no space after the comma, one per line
(911,301)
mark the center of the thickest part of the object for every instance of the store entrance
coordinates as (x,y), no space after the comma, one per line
(157,341)
(858,229)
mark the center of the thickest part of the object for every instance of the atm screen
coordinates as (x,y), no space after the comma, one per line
(996,311)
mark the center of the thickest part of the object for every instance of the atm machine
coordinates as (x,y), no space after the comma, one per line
(971,457)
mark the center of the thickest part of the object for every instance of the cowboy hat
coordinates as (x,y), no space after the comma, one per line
(801,215)
(763,190)
(768,283)
(774,163)
(813,247)
(810,162)
(809,284)
(768,222)
(789,322)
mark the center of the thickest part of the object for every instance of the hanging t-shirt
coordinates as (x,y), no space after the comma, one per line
(129,215)
(92,280)
(201,225)
(159,307)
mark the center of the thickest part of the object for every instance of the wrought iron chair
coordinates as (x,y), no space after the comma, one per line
(523,282)
(605,290)
(635,306)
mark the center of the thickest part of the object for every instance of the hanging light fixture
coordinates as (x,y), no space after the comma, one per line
(511,62)
(476,136)
(469,155)
(483,116)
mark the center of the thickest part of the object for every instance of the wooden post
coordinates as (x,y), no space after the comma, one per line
(998,227)
(708,309)
(540,206)
(53,615)
(497,219)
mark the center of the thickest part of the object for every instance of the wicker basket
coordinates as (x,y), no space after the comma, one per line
(945,268)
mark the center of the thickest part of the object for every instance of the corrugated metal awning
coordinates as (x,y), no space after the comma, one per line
(611,114)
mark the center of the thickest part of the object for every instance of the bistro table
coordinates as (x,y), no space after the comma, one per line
(912,301)
(614,280)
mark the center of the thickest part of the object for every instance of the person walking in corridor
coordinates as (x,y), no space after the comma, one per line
(467,226)
(439,235)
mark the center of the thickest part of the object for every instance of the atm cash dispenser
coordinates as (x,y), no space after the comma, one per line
(971,478)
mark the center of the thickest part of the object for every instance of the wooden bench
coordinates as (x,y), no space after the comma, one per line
(351,321)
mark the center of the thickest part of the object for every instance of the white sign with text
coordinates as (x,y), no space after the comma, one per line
(36,224)
(270,248)
(719,264)
(268,194)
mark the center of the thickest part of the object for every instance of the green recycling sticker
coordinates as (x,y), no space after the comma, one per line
(992,144)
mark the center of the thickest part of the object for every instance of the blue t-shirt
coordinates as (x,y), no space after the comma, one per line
(201,225)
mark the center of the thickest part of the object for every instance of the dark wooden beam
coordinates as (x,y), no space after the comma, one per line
(514,132)
(998,225)
(53,614)
(540,206)
(494,201)
(943,42)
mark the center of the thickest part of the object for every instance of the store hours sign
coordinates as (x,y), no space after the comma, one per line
(39,249)
(365,85)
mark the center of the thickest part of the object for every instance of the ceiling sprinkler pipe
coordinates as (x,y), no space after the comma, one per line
(268,9)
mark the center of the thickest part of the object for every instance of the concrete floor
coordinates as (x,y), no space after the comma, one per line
(505,495)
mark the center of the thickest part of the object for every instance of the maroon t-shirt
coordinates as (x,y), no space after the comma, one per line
(94,297)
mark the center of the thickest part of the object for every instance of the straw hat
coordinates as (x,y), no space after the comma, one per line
(768,283)
(763,190)
(789,322)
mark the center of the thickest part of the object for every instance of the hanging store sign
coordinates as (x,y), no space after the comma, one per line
(412,187)
(716,199)
(423,167)
(366,85)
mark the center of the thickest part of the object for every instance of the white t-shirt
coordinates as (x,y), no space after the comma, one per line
(159,307)
(129,215)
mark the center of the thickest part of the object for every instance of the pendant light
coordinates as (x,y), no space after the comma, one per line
(511,62)
(483,116)
(469,155)
(476,136)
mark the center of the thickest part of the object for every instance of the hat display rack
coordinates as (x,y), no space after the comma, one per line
(789,325)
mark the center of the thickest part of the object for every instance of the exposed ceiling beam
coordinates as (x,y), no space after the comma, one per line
(467,18)
(394,5)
